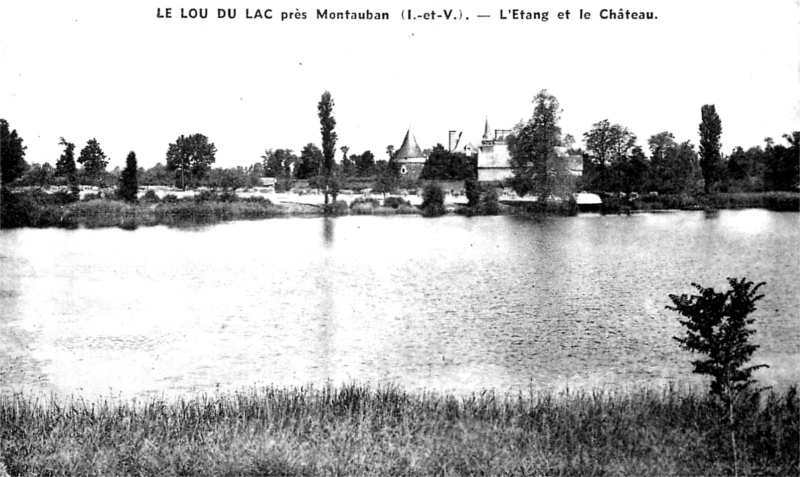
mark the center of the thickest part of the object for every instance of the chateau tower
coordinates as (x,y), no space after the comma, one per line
(409,157)
(493,156)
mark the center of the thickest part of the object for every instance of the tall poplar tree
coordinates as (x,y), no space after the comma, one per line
(128,181)
(327,122)
(710,158)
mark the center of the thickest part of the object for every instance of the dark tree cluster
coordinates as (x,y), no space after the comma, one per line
(614,163)
(279,163)
(93,160)
(12,154)
(309,162)
(234,177)
(365,164)
(387,177)
(444,165)
(190,158)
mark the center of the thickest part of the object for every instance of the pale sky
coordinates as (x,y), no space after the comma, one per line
(115,72)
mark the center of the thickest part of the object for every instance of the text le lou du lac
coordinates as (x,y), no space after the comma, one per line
(265,13)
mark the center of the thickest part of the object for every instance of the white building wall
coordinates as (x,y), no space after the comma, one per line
(493,162)
(494,174)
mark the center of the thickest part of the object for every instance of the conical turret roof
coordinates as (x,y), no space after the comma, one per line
(487,132)
(410,149)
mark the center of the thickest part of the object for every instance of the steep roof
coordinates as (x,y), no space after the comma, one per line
(487,133)
(410,148)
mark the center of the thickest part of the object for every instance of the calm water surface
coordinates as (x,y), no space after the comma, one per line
(450,304)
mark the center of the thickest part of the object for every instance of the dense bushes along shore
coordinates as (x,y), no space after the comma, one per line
(35,208)
(38,209)
(355,430)
(777,201)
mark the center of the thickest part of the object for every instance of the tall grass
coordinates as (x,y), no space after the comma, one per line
(357,430)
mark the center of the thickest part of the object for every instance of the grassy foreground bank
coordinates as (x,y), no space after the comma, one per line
(355,430)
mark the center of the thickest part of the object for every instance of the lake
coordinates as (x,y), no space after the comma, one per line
(451,304)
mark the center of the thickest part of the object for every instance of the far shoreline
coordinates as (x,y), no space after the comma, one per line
(37,208)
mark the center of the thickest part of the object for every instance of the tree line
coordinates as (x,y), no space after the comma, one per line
(613,161)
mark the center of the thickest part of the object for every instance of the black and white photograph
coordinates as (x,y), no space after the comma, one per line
(355,238)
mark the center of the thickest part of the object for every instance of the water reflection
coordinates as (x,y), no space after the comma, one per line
(328,224)
(327,302)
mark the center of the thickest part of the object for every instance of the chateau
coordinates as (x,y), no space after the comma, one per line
(494,160)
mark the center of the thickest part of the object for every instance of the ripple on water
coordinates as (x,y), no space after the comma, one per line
(447,304)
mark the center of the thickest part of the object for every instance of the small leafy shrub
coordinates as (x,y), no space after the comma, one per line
(362,209)
(489,203)
(566,207)
(227,196)
(407,210)
(111,195)
(205,196)
(395,202)
(150,196)
(283,185)
(63,197)
(718,326)
(336,208)
(432,200)
(91,196)
(783,202)
(128,223)
(473,191)
(167,199)
(364,201)
(675,201)
(480,200)
(258,199)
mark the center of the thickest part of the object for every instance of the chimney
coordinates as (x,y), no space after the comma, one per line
(453,139)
